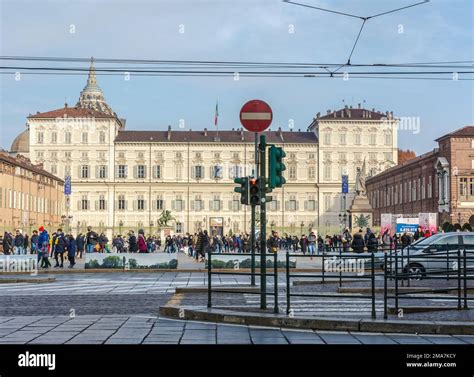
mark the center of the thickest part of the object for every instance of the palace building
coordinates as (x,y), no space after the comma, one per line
(124,179)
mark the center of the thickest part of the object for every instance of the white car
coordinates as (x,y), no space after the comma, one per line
(437,253)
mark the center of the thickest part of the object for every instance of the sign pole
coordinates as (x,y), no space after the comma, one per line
(252,219)
(263,223)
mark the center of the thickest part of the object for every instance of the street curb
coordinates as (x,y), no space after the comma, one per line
(36,281)
(115,270)
(219,289)
(420,309)
(314,323)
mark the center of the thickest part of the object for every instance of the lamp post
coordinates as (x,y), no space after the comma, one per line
(120,226)
(302,226)
(151,226)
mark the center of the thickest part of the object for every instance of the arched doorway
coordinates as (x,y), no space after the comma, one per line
(471,221)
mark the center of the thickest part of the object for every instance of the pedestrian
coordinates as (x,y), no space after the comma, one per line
(26,243)
(358,243)
(80,244)
(44,252)
(60,244)
(7,243)
(311,241)
(92,238)
(372,243)
(132,242)
(142,247)
(19,242)
(71,250)
(35,244)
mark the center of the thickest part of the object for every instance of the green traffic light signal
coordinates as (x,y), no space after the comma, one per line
(243,190)
(276,167)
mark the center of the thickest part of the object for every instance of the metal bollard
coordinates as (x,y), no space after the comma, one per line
(275,281)
(209,280)
(288,283)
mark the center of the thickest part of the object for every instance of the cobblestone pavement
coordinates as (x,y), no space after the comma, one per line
(142,293)
(118,329)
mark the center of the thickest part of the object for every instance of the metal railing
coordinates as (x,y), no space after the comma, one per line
(338,275)
(399,267)
(251,274)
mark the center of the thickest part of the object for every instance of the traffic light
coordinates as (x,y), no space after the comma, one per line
(254,192)
(243,190)
(276,167)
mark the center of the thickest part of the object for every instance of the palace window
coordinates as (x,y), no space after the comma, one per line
(121,203)
(292,204)
(235,171)
(84,203)
(122,171)
(178,203)
(373,139)
(236,204)
(159,203)
(140,172)
(327,171)
(102,137)
(217,171)
(85,138)
(101,204)
(292,172)
(358,138)
(311,172)
(327,138)
(140,206)
(198,204)
(388,138)
(84,171)
(40,138)
(101,172)
(198,172)
(215,203)
(157,172)
(54,137)
(342,139)
(67,138)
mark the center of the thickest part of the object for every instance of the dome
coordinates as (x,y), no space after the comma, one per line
(21,144)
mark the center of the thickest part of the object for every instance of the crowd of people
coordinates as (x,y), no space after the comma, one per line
(61,246)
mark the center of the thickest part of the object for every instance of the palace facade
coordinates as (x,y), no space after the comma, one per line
(123,179)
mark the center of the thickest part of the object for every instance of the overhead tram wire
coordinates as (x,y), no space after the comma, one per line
(364,20)
(236,64)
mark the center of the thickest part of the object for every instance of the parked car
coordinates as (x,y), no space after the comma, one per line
(436,253)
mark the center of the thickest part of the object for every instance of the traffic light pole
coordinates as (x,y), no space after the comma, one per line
(263,223)
(252,220)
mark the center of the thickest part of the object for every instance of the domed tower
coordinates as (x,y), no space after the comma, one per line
(92,96)
(21,144)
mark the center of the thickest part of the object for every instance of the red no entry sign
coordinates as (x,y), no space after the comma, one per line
(256,115)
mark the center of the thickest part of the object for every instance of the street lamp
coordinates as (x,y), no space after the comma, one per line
(302,226)
(120,226)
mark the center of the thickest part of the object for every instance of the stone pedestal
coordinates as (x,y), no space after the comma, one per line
(361,213)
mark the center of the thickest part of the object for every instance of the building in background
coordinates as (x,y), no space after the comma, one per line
(440,181)
(29,195)
(125,179)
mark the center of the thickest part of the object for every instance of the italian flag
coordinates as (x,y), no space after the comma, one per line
(216,116)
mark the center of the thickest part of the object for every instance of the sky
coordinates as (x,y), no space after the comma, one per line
(240,30)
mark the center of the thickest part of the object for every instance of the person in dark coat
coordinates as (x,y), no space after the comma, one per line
(372,243)
(358,243)
(304,243)
(7,243)
(19,242)
(60,243)
(132,242)
(80,244)
(71,250)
